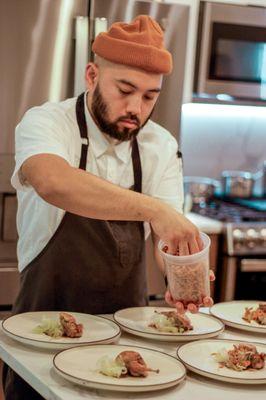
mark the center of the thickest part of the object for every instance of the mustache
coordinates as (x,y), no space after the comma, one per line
(130,117)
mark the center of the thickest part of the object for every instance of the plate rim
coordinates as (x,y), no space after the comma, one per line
(180,364)
(168,334)
(213,375)
(53,342)
(251,328)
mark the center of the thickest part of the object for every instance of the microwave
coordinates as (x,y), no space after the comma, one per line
(231,52)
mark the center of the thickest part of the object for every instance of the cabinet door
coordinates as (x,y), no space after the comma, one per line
(9,283)
(213,258)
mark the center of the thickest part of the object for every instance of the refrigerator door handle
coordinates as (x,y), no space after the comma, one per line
(81,53)
(100,25)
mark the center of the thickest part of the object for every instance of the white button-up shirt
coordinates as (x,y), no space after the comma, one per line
(52,128)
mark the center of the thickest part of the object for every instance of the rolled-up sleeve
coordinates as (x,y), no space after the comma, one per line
(169,186)
(37,133)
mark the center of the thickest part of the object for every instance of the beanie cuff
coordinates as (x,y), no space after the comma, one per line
(146,57)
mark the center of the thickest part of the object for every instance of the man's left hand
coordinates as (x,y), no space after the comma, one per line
(192,307)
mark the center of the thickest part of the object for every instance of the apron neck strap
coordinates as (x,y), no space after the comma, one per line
(81,119)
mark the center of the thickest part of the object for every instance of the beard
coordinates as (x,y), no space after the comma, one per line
(100,112)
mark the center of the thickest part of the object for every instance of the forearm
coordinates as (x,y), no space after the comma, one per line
(85,194)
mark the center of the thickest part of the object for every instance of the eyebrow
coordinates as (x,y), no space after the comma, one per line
(155,90)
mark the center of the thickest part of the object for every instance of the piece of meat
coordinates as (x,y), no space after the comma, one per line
(257,360)
(262,307)
(179,320)
(134,363)
(71,328)
(258,315)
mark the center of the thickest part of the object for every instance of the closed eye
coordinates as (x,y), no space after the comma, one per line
(148,97)
(124,92)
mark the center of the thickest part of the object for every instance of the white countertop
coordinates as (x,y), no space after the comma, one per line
(205,224)
(35,366)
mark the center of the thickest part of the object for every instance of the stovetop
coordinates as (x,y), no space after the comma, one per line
(233,210)
(245,223)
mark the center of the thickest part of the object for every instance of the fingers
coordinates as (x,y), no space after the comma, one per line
(183,248)
(207,301)
(179,307)
(212,276)
(192,308)
(199,242)
(168,298)
(193,246)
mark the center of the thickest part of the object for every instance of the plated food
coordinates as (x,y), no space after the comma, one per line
(257,314)
(241,357)
(163,323)
(170,321)
(126,363)
(66,326)
(83,365)
(38,329)
(226,360)
(241,314)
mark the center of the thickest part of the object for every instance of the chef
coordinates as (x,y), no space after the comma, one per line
(90,171)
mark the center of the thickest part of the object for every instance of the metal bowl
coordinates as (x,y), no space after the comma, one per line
(200,188)
(237,183)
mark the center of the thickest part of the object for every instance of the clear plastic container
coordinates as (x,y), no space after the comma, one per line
(188,276)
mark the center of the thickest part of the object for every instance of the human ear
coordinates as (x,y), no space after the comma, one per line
(91,75)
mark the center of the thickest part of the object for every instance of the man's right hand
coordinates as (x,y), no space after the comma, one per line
(179,234)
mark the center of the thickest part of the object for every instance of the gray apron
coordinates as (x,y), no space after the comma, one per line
(89,265)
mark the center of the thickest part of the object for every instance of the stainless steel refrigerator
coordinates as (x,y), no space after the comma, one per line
(44,47)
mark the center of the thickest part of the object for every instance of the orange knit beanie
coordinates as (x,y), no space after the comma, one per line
(137,44)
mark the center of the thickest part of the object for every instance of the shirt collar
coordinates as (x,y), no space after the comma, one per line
(101,144)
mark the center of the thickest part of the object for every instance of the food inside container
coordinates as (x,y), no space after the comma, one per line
(188,276)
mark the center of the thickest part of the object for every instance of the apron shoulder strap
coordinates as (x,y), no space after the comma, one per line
(81,119)
(136,166)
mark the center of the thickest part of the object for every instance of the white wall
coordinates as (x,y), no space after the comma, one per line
(217,137)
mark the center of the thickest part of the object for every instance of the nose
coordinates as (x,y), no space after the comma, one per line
(134,105)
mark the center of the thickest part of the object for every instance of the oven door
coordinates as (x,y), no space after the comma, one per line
(243,278)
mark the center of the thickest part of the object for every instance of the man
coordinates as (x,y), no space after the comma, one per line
(102,160)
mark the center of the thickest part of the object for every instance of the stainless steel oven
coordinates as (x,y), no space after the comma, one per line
(242,274)
(241,266)
(231,53)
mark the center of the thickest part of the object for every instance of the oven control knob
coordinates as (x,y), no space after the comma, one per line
(252,238)
(238,238)
(238,235)
(263,236)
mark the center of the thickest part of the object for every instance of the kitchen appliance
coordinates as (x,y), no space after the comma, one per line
(237,183)
(200,188)
(230,56)
(49,44)
(241,269)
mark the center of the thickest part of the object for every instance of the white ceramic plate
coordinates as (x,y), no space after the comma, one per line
(135,320)
(231,314)
(80,365)
(96,330)
(197,357)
